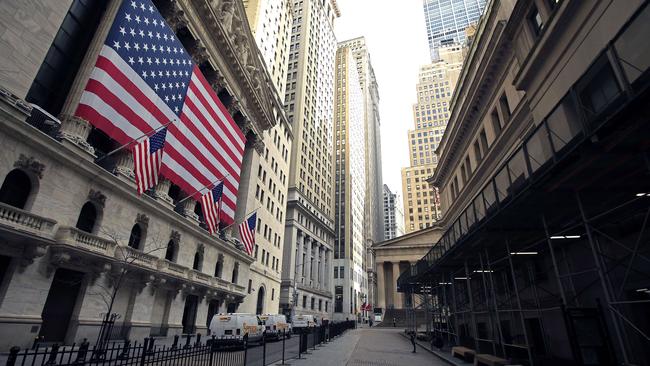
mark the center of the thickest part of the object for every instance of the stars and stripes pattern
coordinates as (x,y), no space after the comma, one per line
(142,80)
(247,233)
(211,207)
(147,158)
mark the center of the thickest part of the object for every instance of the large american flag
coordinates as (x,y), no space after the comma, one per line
(247,233)
(143,79)
(147,158)
(211,206)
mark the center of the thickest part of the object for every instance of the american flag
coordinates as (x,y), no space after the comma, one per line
(247,233)
(144,78)
(147,157)
(211,206)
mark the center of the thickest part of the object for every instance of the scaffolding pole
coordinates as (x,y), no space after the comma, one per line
(496,304)
(521,313)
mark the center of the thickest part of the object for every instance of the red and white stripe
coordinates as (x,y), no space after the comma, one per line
(146,166)
(204,146)
(210,211)
(247,236)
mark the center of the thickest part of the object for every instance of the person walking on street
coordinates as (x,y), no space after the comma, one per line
(394,322)
(413,341)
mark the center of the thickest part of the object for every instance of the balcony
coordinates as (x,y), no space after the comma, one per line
(172,268)
(24,221)
(76,238)
(136,257)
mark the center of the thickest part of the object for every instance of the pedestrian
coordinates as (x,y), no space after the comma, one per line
(413,341)
(394,322)
(370,322)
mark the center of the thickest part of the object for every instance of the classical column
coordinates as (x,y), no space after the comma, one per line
(187,208)
(397,298)
(300,266)
(201,315)
(381,286)
(124,165)
(88,63)
(160,192)
(73,133)
(143,302)
(310,260)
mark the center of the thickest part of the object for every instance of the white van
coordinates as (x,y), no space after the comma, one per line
(276,325)
(301,322)
(233,329)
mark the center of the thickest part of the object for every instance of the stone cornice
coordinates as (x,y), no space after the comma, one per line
(223,29)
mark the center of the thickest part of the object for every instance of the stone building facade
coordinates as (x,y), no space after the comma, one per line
(73,231)
(309,225)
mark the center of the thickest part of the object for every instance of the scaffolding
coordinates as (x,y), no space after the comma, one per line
(550,262)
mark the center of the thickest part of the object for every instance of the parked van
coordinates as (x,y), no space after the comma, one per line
(301,322)
(234,329)
(276,325)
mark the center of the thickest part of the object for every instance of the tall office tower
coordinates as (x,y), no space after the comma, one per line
(350,188)
(436,83)
(373,210)
(266,170)
(393,214)
(309,225)
(446,21)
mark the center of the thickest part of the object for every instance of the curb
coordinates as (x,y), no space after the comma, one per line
(429,350)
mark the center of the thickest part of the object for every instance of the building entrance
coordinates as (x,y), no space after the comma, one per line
(59,304)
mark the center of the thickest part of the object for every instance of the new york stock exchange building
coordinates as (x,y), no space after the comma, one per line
(76,238)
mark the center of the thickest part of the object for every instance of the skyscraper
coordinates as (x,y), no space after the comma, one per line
(266,185)
(350,188)
(446,21)
(436,83)
(393,214)
(373,207)
(309,224)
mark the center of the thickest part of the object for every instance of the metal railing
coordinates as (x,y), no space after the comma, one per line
(185,350)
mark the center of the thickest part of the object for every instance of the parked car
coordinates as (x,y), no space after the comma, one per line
(236,329)
(276,325)
(302,322)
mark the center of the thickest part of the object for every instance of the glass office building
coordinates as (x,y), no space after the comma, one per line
(446,21)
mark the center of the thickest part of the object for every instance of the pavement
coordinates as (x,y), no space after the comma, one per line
(369,347)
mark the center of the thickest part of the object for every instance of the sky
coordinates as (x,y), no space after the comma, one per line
(396,37)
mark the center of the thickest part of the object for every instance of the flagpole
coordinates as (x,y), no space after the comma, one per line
(202,188)
(135,139)
(248,214)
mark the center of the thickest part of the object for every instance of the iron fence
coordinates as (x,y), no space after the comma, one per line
(195,350)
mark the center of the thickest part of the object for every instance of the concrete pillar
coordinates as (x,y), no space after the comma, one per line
(397,297)
(310,261)
(381,286)
(201,315)
(299,262)
(175,320)
(143,303)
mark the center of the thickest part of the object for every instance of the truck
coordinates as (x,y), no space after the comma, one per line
(236,329)
(275,325)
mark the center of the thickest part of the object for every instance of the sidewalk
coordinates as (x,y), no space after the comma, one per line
(368,347)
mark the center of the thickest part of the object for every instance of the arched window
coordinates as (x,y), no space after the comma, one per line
(170,254)
(198,261)
(16,189)
(135,237)
(218,268)
(235,273)
(87,217)
(260,300)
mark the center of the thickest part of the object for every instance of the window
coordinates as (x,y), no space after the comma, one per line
(16,189)
(505,107)
(218,268)
(304,301)
(600,88)
(535,21)
(250,286)
(496,122)
(87,218)
(477,152)
(312,303)
(197,264)
(235,273)
(135,237)
(170,253)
